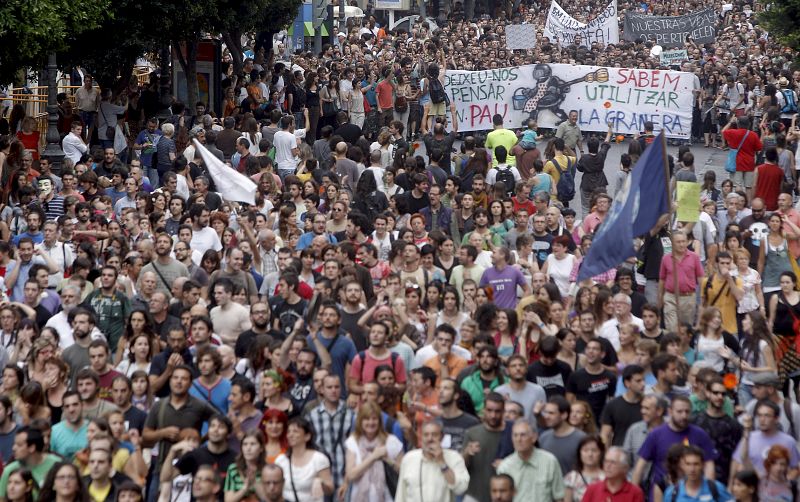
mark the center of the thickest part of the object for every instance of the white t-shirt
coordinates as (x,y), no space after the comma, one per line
(285,142)
(205,239)
(559,271)
(491,176)
(301,479)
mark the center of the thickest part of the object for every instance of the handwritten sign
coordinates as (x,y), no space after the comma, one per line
(671,31)
(520,36)
(674,56)
(688,200)
(547,92)
(563,29)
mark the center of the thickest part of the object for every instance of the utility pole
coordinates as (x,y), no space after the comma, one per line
(53,151)
(320,15)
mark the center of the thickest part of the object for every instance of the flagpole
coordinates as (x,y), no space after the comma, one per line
(665,162)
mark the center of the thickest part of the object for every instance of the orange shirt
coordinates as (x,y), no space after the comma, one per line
(455,365)
(385,93)
(420,417)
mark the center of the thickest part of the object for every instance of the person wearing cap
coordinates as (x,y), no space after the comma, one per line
(766,386)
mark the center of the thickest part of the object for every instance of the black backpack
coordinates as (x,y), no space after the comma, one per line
(437,91)
(507,177)
(566,182)
(363,357)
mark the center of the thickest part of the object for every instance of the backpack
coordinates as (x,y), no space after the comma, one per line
(566,182)
(791,104)
(712,487)
(436,91)
(363,357)
(507,177)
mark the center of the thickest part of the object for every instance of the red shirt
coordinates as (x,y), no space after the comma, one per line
(528,204)
(384,92)
(690,270)
(598,492)
(768,184)
(746,158)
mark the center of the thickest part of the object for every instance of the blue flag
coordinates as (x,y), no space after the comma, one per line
(635,210)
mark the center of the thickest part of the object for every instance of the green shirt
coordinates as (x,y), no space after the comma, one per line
(700,406)
(235,482)
(506,138)
(537,479)
(39,472)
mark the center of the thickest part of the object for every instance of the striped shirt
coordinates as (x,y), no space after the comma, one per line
(332,430)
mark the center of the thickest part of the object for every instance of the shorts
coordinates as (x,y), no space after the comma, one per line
(743,178)
(437,109)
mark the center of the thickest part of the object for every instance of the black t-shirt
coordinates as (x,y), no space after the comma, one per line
(415,204)
(246,339)
(453,430)
(191,461)
(620,415)
(135,418)
(651,253)
(594,389)
(350,325)
(552,378)
(287,313)
(610,359)
(302,392)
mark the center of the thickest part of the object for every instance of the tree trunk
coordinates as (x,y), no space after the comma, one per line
(233,42)
(189,66)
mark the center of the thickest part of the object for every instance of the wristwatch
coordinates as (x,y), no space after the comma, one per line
(444,467)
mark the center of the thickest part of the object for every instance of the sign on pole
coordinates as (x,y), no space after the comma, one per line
(320,12)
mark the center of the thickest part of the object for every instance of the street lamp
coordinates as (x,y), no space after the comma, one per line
(53,151)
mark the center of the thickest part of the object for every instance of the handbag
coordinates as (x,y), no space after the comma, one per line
(400,104)
(392,477)
(730,164)
(329,107)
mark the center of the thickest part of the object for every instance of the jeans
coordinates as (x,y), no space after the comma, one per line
(152,175)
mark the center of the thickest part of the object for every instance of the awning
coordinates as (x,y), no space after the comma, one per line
(309,29)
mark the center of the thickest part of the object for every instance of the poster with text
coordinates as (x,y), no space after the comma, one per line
(671,31)
(562,28)
(626,98)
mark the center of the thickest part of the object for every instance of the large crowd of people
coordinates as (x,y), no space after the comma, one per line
(397,314)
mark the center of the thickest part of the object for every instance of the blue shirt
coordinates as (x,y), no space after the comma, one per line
(66,442)
(342,351)
(17,294)
(704,495)
(305,240)
(37,238)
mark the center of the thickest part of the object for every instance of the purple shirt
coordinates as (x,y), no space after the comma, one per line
(659,440)
(760,444)
(504,284)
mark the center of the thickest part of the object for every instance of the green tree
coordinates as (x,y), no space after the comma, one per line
(782,20)
(31,29)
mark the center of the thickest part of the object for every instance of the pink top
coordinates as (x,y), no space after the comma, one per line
(690,270)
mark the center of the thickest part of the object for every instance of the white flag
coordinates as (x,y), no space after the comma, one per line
(230,183)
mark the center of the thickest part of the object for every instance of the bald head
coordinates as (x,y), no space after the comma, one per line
(757,204)
(341,149)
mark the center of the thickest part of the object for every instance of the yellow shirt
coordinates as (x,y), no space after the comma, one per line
(725,302)
(555,172)
(99,494)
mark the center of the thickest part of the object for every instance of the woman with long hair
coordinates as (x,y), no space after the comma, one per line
(784,312)
(753,299)
(710,340)
(773,255)
(32,404)
(567,354)
(210,262)
(588,468)
(330,103)
(251,133)
(273,392)
(581,417)
(450,312)
(603,308)
(498,223)
(138,323)
(245,472)
(41,351)
(745,486)
(256,361)
(20,486)
(274,426)
(55,385)
(140,354)
(307,472)
(369,451)
(64,484)
(757,353)
(775,485)
(505,338)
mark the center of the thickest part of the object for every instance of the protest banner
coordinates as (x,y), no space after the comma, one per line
(688,200)
(674,57)
(562,28)
(520,36)
(626,98)
(671,31)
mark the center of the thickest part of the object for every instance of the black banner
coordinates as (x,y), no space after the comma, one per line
(671,31)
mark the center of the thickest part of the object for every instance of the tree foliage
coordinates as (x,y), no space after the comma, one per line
(31,29)
(782,20)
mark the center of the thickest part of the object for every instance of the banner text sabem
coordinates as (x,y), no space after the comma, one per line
(624,97)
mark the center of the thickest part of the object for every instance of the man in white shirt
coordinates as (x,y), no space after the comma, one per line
(70,298)
(622,315)
(73,145)
(286,150)
(432,472)
(203,236)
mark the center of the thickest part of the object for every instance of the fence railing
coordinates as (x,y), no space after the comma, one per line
(34,98)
